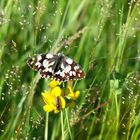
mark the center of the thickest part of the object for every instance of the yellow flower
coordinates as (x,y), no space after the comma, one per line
(55,97)
(70,94)
(56,91)
(53,102)
(55,88)
(54,83)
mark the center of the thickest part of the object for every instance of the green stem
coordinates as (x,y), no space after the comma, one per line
(46,126)
(67,119)
(62,125)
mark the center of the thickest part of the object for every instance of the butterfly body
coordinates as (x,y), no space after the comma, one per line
(56,66)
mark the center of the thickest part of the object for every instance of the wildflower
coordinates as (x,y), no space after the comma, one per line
(70,94)
(56,98)
(53,102)
(54,83)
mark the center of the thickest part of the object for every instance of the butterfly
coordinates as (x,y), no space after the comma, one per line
(56,66)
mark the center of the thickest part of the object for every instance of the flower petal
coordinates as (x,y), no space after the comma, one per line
(70,89)
(72,95)
(54,83)
(47,97)
(48,108)
(63,102)
(56,91)
(76,95)
(56,110)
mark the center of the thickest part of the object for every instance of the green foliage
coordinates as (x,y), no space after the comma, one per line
(103,37)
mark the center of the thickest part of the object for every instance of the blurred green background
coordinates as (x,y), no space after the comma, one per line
(102,36)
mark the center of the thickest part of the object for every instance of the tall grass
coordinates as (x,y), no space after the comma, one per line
(103,37)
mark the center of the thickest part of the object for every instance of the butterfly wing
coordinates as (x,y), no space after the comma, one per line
(56,67)
(68,70)
(44,63)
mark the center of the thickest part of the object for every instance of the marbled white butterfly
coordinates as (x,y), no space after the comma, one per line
(56,66)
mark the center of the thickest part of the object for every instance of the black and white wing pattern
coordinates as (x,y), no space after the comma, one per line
(56,66)
(68,70)
(44,63)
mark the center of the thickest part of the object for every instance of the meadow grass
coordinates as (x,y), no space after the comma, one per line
(103,37)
